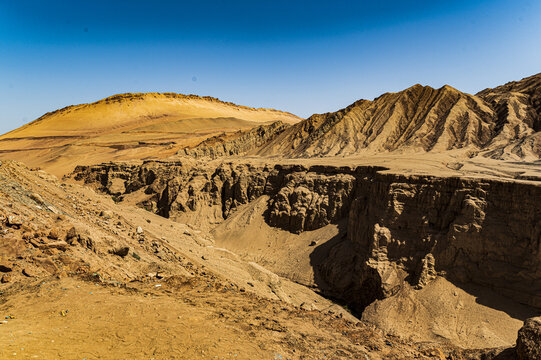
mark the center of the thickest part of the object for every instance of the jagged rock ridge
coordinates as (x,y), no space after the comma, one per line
(502,123)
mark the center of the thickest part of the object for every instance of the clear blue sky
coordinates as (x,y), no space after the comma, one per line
(301,56)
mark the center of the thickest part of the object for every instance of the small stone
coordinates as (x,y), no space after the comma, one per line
(139,230)
(313,243)
(122,252)
(37,198)
(60,245)
(204,257)
(53,210)
(106,214)
(5,278)
(28,273)
(14,221)
(307,306)
(54,234)
(5,267)
(72,233)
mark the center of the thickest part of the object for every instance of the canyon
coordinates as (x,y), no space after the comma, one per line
(404,227)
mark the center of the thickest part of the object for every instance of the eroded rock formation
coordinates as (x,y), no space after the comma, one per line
(237,144)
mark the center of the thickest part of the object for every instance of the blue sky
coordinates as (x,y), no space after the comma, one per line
(301,56)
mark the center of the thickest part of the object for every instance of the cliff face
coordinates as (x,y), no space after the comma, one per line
(470,231)
(400,228)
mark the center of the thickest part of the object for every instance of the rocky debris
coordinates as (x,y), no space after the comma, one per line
(529,340)
(237,144)
(6,278)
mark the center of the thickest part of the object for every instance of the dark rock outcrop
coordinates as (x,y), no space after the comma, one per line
(529,340)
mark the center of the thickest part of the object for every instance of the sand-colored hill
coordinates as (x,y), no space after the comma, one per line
(128,126)
(498,123)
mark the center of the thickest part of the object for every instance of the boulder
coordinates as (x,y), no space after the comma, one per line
(529,340)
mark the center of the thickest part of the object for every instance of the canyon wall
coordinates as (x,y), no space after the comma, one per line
(399,228)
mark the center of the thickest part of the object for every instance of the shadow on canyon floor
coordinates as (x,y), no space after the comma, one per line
(490,298)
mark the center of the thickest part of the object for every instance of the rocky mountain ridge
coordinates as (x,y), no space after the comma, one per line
(501,123)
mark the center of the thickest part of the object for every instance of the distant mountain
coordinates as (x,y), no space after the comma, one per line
(500,123)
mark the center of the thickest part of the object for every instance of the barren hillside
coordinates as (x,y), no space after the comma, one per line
(128,126)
